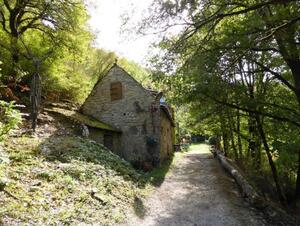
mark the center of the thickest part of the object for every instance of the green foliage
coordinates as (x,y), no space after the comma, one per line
(142,75)
(59,37)
(0,70)
(81,150)
(229,71)
(10,118)
(213,140)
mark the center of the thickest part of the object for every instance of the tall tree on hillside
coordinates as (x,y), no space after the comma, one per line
(18,17)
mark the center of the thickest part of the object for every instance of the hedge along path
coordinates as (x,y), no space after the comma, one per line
(196,192)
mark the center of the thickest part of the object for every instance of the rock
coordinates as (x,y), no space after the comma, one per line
(94,191)
(45,150)
(64,165)
(33,189)
(85,131)
(37,183)
(97,196)
(100,198)
(3,183)
(4,158)
(92,142)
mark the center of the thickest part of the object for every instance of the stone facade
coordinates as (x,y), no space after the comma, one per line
(167,134)
(120,101)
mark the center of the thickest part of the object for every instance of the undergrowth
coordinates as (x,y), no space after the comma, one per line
(65,181)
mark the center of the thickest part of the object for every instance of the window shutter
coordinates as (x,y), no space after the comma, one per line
(116,91)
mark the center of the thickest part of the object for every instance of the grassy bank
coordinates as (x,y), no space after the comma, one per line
(70,180)
(65,180)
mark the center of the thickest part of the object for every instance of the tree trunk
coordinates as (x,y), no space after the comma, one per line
(225,142)
(297,193)
(224,135)
(271,163)
(291,57)
(251,130)
(233,145)
(239,140)
(14,57)
(254,146)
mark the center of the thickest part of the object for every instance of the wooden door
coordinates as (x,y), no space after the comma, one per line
(108,141)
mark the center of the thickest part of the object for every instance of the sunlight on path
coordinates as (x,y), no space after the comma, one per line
(196,192)
(199,149)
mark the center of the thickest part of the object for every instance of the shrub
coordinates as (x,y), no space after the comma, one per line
(213,140)
(9,118)
(184,147)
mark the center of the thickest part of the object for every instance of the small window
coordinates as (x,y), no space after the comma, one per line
(116,91)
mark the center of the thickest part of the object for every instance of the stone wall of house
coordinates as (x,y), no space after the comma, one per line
(166,137)
(137,115)
(98,136)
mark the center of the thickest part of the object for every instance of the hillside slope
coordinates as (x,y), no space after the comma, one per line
(64,180)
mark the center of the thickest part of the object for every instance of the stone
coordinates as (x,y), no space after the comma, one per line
(4,158)
(136,112)
(100,198)
(85,131)
(94,191)
(37,183)
(3,183)
(33,189)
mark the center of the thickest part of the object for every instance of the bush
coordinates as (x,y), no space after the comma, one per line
(184,147)
(213,140)
(9,118)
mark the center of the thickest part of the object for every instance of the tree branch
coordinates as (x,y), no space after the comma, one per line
(234,106)
(276,75)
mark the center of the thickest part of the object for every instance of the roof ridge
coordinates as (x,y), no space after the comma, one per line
(146,89)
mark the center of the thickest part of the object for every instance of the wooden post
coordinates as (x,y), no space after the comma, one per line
(35,98)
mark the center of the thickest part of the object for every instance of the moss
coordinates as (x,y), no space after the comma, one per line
(87,120)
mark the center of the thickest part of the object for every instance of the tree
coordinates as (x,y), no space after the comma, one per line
(47,18)
(236,54)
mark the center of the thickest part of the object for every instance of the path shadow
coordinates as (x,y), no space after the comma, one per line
(158,174)
(198,192)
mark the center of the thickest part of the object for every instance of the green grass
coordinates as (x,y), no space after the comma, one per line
(157,175)
(68,180)
(199,148)
(76,182)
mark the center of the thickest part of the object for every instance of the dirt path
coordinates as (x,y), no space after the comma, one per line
(196,192)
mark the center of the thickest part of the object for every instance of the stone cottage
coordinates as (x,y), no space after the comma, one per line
(144,126)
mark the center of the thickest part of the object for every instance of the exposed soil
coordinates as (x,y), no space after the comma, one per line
(196,192)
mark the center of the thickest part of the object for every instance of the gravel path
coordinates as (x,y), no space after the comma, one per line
(196,192)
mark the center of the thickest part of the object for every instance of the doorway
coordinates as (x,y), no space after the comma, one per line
(108,141)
